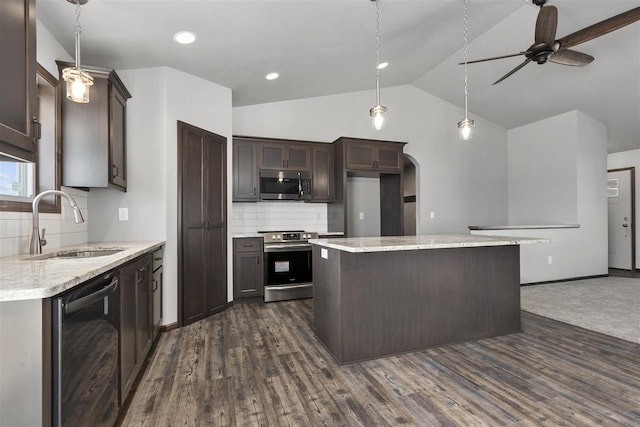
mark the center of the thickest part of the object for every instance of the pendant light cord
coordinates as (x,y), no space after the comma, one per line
(377,52)
(77,30)
(466,92)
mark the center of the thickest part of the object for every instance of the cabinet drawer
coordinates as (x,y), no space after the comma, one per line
(248,244)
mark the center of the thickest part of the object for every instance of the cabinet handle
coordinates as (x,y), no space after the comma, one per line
(258,260)
(254,191)
(36,129)
(114,171)
(155,285)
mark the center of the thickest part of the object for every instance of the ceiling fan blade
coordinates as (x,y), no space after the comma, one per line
(546,25)
(571,57)
(526,61)
(493,58)
(601,28)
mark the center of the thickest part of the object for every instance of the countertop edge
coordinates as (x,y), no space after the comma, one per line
(348,245)
(522,227)
(30,293)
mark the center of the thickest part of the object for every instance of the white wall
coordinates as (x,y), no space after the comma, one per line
(542,172)
(364,199)
(628,159)
(462,182)
(577,173)
(160,97)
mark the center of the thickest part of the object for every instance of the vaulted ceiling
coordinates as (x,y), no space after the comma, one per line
(323,47)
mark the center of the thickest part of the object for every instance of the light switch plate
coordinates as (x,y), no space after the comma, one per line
(324,253)
(123,214)
(361,215)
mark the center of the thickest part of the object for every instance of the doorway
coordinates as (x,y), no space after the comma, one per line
(621,218)
(202,223)
(409,192)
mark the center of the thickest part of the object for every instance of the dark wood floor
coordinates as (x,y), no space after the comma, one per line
(624,273)
(260,364)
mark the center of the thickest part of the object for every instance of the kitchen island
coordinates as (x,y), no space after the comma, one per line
(378,296)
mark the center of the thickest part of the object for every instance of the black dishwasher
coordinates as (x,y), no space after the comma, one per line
(85,354)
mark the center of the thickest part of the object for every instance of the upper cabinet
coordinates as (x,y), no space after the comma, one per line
(364,155)
(322,175)
(245,170)
(93,134)
(18,82)
(284,156)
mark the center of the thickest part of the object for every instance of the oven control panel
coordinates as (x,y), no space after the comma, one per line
(288,236)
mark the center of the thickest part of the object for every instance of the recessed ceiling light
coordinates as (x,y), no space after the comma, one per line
(382,65)
(272,76)
(184,37)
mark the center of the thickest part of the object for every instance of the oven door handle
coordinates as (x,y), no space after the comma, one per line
(289,287)
(87,300)
(303,247)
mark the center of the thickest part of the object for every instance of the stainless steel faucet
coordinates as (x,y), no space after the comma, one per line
(36,240)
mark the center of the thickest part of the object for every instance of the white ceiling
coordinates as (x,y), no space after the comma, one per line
(323,47)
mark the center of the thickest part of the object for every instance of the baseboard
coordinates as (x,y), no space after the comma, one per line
(169,327)
(572,279)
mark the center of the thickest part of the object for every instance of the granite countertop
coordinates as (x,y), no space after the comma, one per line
(25,276)
(408,243)
(522,227)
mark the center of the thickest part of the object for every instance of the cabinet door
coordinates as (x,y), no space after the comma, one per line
(360,156)
(247,280)
(272,156)
(245,172)
(156,304)
(18,71)
(128,367)
(389,158)
(143,309)
(298,158)
(322,177)
(118,170)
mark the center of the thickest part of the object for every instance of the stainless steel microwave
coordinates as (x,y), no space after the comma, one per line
(285,185)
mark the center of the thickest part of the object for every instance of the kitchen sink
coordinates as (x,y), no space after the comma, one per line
(76,254)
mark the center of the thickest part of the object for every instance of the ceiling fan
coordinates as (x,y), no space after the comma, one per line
(547,48)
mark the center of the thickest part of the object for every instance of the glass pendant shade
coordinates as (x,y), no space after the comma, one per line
(465,128)
(379,116)
(78,84)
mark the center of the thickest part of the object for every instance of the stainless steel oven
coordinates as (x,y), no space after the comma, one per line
(288,269)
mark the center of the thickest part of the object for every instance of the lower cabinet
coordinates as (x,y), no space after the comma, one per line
(248,267)
(136,331)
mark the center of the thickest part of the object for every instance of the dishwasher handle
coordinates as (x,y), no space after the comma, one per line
(80,303)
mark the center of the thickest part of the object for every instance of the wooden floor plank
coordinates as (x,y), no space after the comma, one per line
(260,364)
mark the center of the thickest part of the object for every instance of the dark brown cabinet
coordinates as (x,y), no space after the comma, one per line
(322,173)
(135,320)
(156,293)
(18,82)
(245,171)
(202,198)
(94,134)
(284,155)
(248,267)
(373,156)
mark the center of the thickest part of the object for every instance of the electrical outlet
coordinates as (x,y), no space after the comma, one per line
(123,214)
(549,259)
(361,215)
(432,214)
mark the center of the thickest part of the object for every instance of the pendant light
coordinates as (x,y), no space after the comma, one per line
(78,81)
(466,124)
(379,112)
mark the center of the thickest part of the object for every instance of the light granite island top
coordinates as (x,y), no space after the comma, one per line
(433,241)
(25,277)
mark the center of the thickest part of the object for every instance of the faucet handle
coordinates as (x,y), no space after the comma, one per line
(43,241)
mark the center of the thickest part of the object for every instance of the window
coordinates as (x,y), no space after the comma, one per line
(20,180)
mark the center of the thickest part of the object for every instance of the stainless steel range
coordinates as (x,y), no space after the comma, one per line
(288,269)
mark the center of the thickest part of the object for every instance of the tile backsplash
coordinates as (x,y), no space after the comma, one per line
(15,227)
(281,215)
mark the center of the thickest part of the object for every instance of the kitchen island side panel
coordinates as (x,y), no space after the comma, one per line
(398,301)
(326,299)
